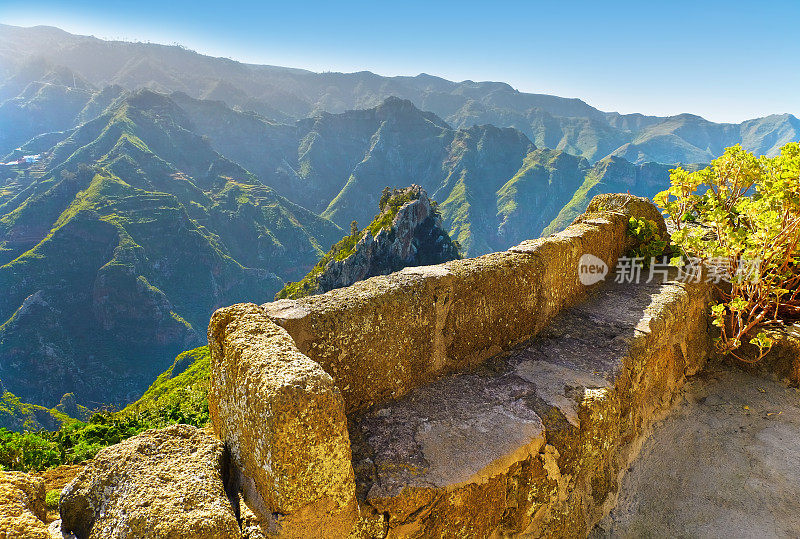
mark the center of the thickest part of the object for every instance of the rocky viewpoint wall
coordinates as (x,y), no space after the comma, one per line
(286,374)
(381,337)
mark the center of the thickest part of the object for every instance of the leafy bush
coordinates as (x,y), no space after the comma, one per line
(28,451)
(741,218)
(649,243)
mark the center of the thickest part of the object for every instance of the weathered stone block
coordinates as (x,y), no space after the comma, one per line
(628,205)
(161,483)
(283,418)
(494,302)
(428,461)
(22,509)
(378,338)
(382,337)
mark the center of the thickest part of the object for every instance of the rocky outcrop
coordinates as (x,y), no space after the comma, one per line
(416,237)
(22,508)
(161,483)
(69,405)
(407,232)
(638,207)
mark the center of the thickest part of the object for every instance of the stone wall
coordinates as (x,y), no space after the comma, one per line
(783,359)
(536,443)
(384,336)
(283,419)
(290,377)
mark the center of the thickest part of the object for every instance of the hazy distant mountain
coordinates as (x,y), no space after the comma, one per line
(282,93)
(495,187)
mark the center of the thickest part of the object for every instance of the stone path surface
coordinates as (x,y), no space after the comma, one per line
(725,463)
(537,435)
(465,426)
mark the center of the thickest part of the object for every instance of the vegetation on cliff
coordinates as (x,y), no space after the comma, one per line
(18,415)
(178,395)
(390,242)
(741,217)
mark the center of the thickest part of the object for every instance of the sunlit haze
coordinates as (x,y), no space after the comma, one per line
(725,61)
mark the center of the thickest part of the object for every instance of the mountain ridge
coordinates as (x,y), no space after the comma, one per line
(287,93)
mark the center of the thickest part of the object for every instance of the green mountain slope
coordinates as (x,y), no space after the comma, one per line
(41,98)
(19,416)
(114,267)
(150,210)
(538,191)
(613,175)
(185,380)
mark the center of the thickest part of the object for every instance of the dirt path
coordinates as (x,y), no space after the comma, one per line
(725,463)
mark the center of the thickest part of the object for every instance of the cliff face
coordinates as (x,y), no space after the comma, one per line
(408,231)
(415,238)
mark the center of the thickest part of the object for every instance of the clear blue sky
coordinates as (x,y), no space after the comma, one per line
(726,61)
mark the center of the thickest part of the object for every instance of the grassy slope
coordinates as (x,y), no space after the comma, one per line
(577,204)
(140,250)
(613,175)
(527,202)
(185,381)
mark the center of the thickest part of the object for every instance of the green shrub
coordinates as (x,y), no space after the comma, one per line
(28,451)
(740,211)
(175,397)
(51,499)
(649,243)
